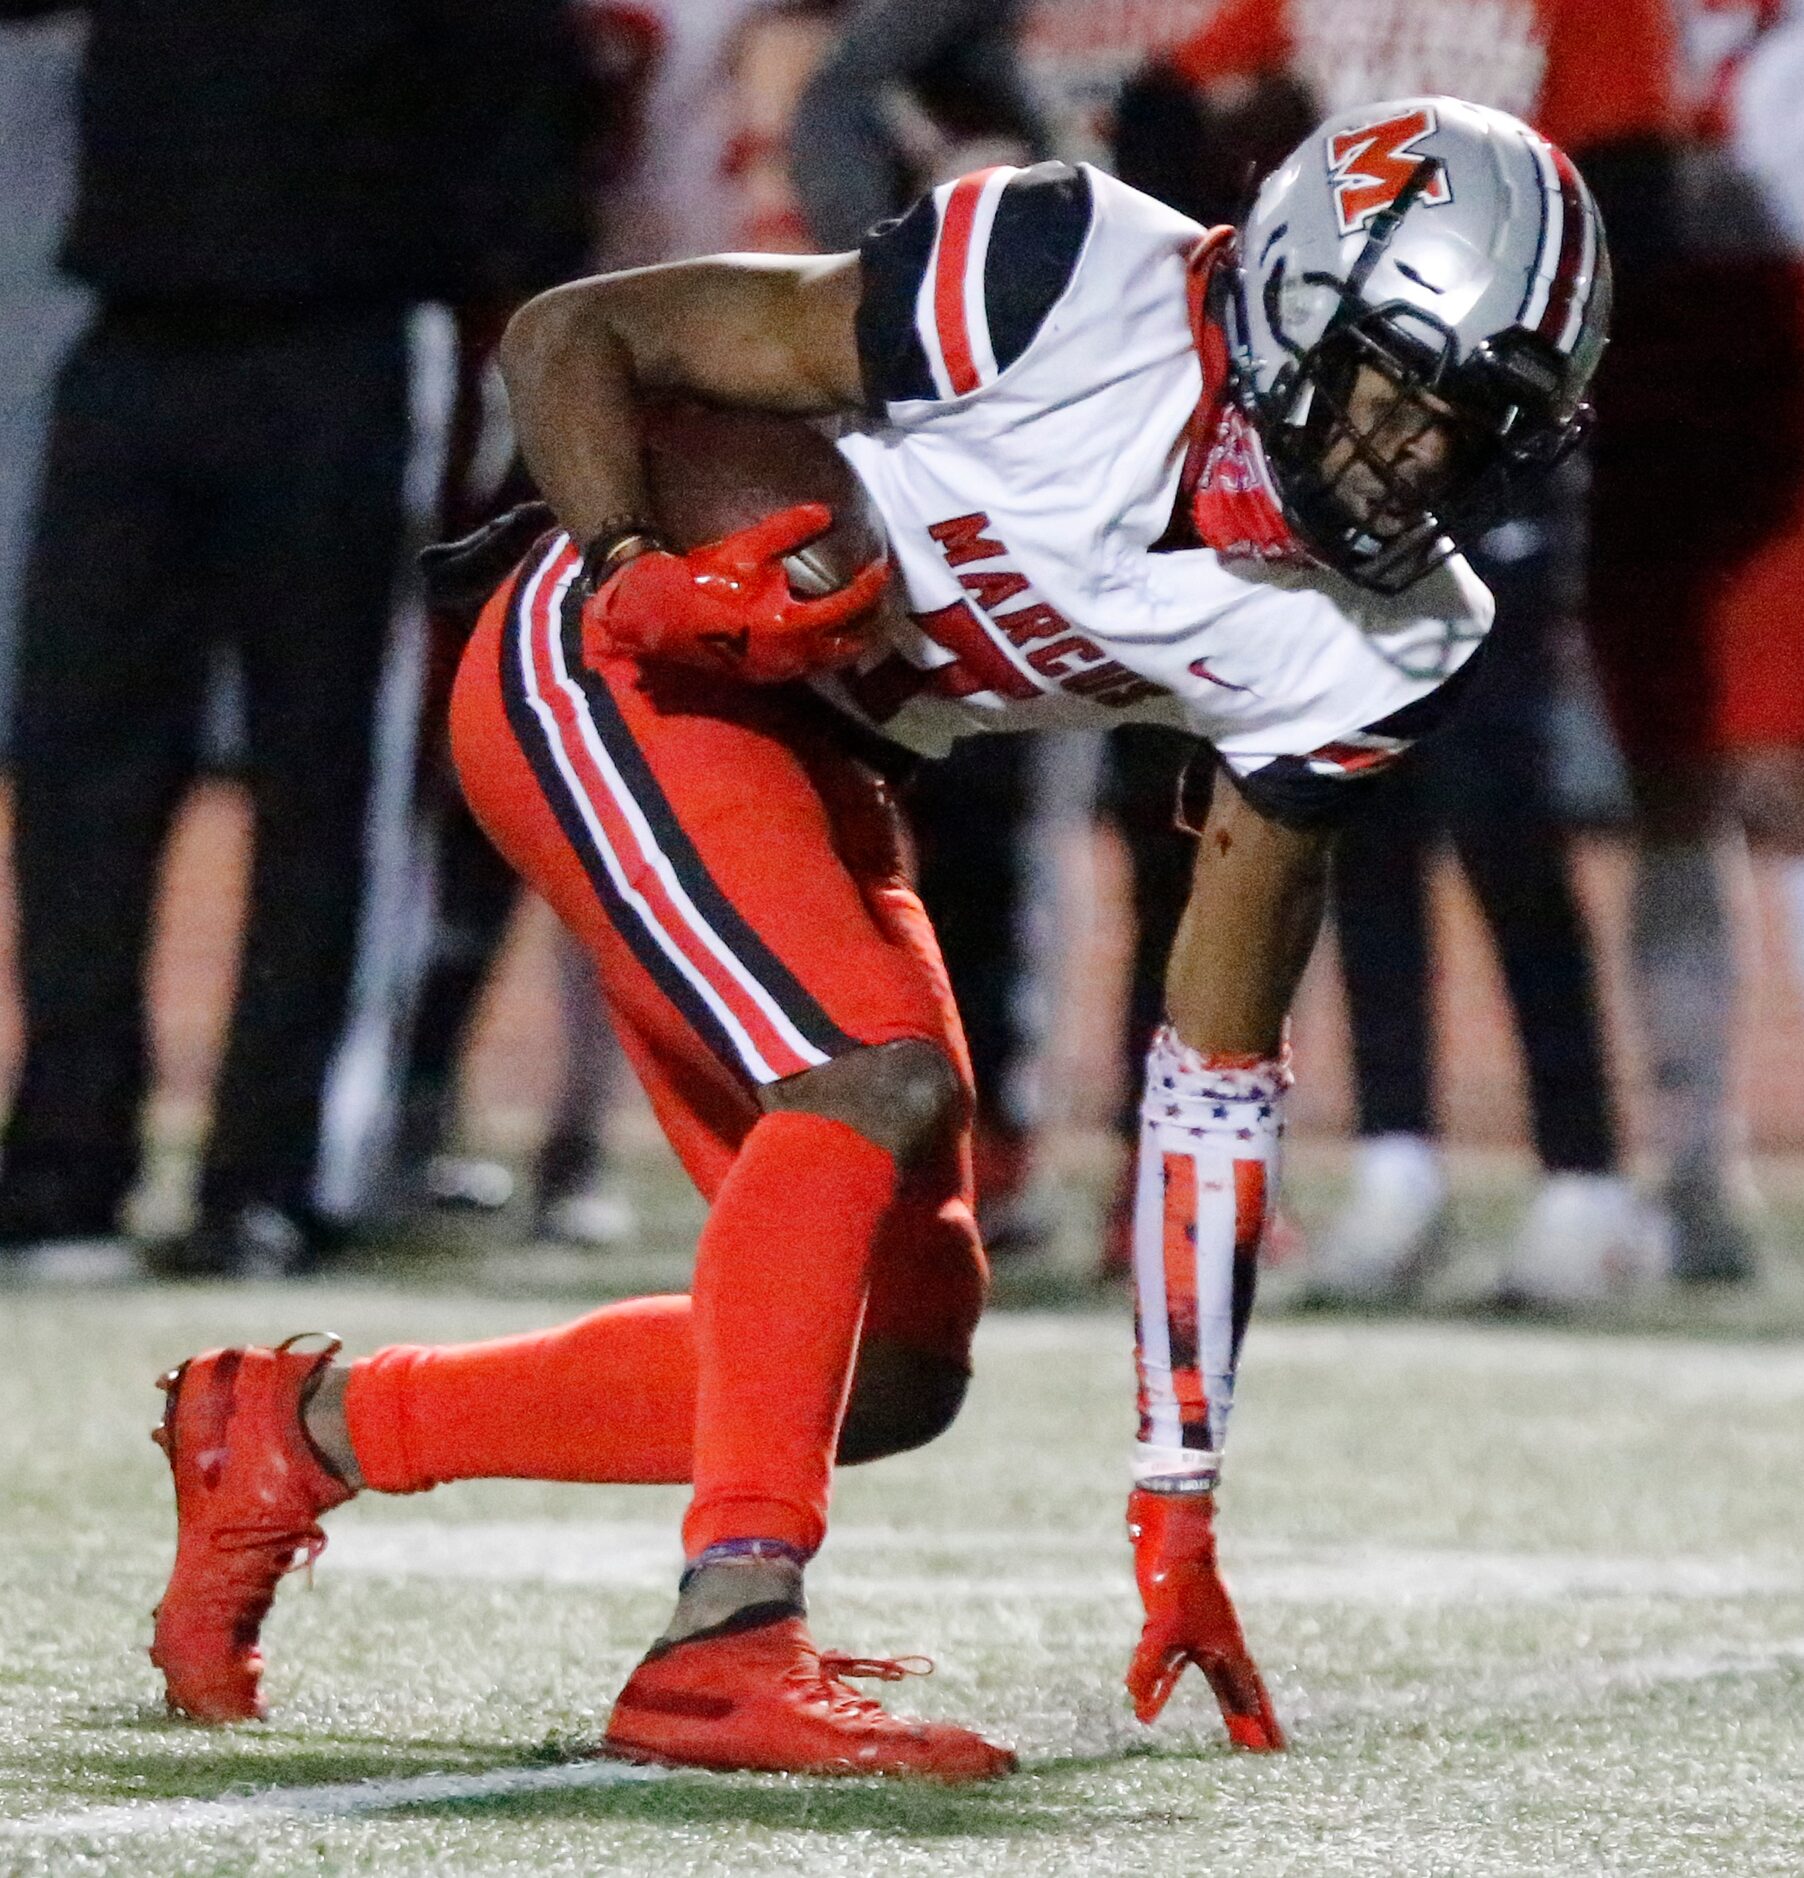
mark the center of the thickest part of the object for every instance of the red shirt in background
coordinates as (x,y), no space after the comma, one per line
(1584,72)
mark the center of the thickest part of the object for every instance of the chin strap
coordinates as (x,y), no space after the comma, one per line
(1226,496)
(1234,507)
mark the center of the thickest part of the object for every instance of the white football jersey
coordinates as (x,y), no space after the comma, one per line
(1032,372)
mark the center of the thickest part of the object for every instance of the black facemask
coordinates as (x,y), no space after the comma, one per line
(1432,462)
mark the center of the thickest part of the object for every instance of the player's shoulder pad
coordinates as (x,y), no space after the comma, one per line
(955,290)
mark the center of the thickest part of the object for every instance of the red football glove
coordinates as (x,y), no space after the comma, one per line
(1190,1618)
(727,606)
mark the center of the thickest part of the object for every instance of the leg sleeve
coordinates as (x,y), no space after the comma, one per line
(1208,1168)
(1379,895)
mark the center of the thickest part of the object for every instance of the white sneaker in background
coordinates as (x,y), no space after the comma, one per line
(598,1217)
(104,1259)
(1585,1239)
(1392,1230)
(467,1183)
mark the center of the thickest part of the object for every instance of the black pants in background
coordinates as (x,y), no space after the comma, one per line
(969,813)
(1483,785)
(221,476)
(1142,769)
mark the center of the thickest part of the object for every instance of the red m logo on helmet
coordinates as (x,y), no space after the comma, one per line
(1368,166)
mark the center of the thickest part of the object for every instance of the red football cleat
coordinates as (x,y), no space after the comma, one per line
(1190,1618)
(766,1700)
(249,1490)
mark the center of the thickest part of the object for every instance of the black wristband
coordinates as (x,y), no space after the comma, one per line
(604,545)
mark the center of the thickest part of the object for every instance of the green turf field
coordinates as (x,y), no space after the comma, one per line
(1531,1601)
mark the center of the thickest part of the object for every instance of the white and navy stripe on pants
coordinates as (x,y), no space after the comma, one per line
(644,869)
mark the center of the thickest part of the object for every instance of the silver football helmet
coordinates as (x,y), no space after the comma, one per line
(1423,268)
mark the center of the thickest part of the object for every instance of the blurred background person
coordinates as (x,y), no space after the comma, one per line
(1485,785)
(265,191)
(1757,106)
(908,93)
(776,53)
(661,175)
(1486,788)
(1719,600)
(1608,84)
(1694,473)
(1200,132)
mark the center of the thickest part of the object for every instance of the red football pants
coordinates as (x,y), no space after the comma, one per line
(738,879)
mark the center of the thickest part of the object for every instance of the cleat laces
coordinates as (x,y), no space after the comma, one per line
(823,1679)
(880,1668)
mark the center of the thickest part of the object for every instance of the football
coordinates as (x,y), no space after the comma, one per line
(711,472)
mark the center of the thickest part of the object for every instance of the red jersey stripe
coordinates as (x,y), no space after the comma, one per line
(949,281)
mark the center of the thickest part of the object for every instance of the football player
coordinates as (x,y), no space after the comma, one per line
(1129,470)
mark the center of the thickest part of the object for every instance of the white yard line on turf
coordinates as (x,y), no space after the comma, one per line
(642,1554)
(1672,1369)
(347,1800)
(359,1799)
(1490,1695)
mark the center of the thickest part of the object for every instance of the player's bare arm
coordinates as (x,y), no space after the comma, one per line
(734,330)
(774,332)
(1215,1083)
(1254,910)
